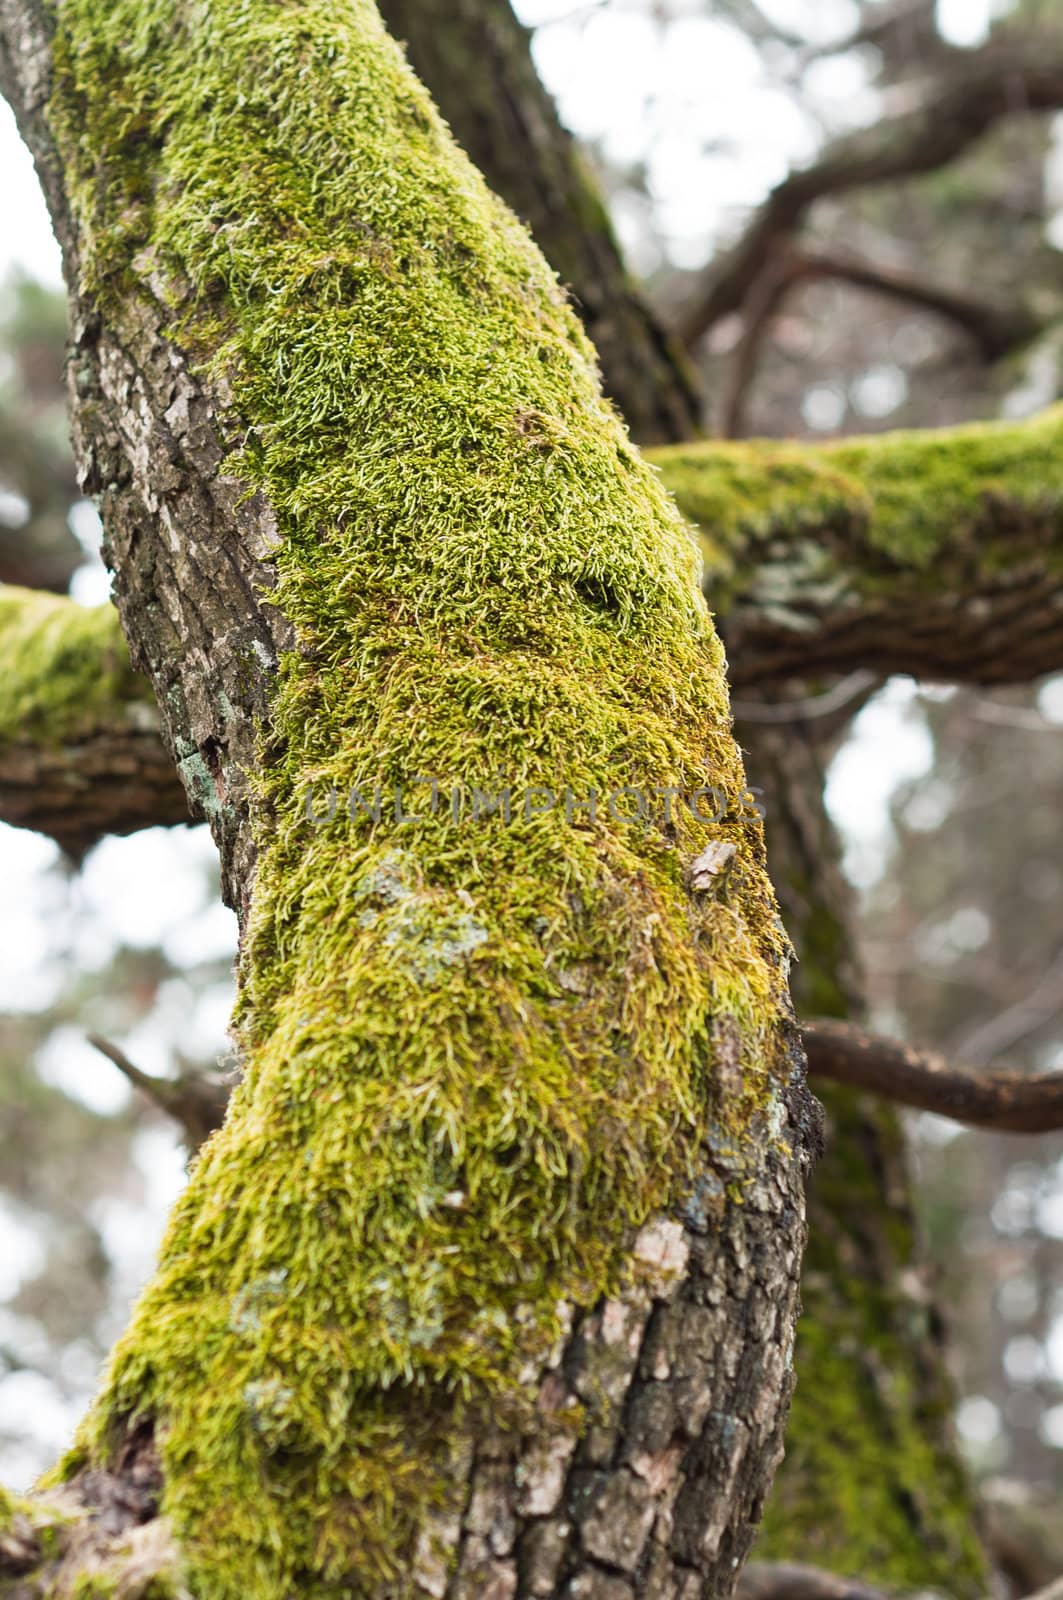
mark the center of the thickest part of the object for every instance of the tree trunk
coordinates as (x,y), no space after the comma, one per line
(871,1486)
(475,58)
(486,1286)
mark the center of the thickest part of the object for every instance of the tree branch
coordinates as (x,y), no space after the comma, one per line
(995,330)
(80,748)
(1007,1102)
(838,1051)
(933,553)
(791,1580)
(997,81)
(197,1103)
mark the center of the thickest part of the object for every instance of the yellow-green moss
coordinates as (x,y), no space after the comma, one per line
(64,667)
(908,497)
(477,1054)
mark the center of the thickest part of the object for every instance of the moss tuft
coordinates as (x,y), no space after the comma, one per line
(65,668)
(905,499)
(478,1053)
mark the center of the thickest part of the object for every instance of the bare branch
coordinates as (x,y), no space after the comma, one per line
(792,1580)
(995,329)
(115,779)
(997,81)
(196,1102)
(845,695)
(1007,1102)
(1017,1021)
(764,303)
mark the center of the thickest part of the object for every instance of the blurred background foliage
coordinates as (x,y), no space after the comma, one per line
(950,801)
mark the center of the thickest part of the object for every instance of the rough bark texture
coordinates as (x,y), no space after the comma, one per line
(871,1486)
(474,56)
(485,1286)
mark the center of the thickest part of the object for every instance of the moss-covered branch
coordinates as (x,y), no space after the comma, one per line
(80,747)
(939,554)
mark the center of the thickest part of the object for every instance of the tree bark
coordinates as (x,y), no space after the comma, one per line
(475,59)
(486,1285)
(871,1486)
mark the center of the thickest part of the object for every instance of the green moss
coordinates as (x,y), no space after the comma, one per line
(477,1054)
(906,499)
(64,667)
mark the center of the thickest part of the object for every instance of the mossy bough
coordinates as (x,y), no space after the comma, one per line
(65,669)
(934,553)
(477,1056)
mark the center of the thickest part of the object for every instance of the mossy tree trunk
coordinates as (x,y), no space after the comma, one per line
(812,557)
(475,58)
(486,1286)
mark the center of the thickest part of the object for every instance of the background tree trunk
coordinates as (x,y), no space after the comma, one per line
(871,1486)
(475,58)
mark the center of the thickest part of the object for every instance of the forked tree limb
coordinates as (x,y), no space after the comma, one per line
(1006,1102)
(997,82)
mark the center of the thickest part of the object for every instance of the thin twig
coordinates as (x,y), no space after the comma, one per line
(1008,1102)
(852,687)
(197,1103)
